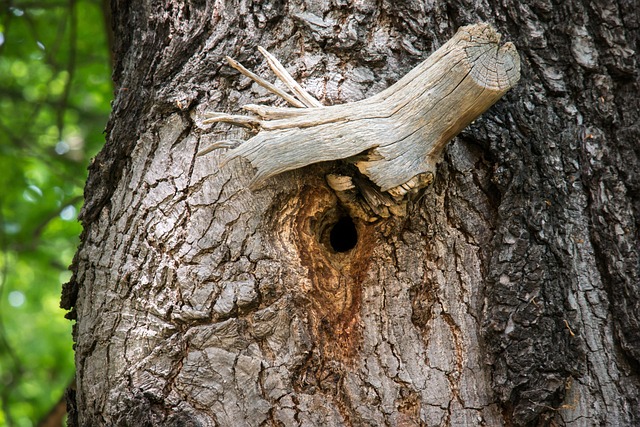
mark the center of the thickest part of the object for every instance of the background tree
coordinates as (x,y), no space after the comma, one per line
(508,295)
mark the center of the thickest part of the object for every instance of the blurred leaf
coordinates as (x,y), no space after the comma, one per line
(55,91)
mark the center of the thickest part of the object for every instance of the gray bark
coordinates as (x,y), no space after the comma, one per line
(508,294)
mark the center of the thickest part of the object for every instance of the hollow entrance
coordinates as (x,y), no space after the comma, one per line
(343,235)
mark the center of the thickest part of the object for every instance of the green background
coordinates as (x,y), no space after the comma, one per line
(55,92)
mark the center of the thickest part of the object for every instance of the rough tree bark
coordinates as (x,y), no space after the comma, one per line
(508,294)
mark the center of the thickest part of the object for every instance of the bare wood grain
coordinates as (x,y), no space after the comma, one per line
(403,129)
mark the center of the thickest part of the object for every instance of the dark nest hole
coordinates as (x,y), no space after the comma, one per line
(343,235)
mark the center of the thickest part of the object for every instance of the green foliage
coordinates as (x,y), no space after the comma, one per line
(55,90)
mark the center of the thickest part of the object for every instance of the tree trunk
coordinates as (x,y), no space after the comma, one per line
(507,295)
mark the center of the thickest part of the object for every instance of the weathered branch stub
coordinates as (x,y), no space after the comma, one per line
(396,137)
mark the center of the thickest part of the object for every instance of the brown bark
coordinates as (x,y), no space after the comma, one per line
(508,295)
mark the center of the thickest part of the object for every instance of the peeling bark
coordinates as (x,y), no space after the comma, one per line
(507,295)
